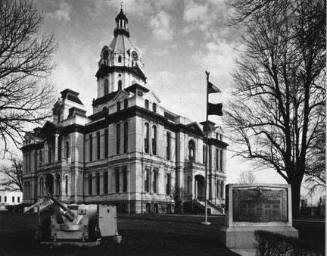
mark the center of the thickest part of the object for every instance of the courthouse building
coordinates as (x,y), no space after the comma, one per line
(131,151)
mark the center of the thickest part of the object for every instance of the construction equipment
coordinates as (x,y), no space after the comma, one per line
(75,224)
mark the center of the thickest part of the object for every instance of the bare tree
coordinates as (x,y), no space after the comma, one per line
(246,177)
(13,175)
(25,61)
(278,109)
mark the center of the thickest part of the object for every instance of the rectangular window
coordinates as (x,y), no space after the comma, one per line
(125,137)
(49,157)
(59,147)
(204,153)
(6,196)
(98,183)
(90,147)
(18,199)
(67,149)
(90,184)
(105,183)
(41,156)
(168,146)
(154,140)
(125,103)
(217,159)
(117,179)
(118,106)
(125,181)
(146,138)
(168,183)
(146,180)
(118,139)
(106,139)
(221,160)
(13,199)
(0,198)
(155,181)
(66,184)
(98,145)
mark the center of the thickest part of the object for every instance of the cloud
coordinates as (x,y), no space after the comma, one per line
(218,58)
(161,26)
(206,16)
(194,12)
(61,14)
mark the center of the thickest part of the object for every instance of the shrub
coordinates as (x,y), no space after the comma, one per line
(271,244)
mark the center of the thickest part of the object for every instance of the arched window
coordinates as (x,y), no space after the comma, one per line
(125,137)
(120,85)
(154,107)
(105,54)
(154,140)
(191,150)
(105,87)
(146,138)
(58,187)
(146,104)
(119,59)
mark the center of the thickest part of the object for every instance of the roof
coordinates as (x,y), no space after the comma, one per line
(71,95)
(136,86)
(106,98)
(120,44)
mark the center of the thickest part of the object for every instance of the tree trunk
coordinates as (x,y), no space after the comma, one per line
(296,196)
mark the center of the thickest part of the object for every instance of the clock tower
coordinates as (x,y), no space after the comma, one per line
(120,64)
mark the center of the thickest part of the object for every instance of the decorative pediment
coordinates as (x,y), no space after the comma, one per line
(121,95)
(195,127)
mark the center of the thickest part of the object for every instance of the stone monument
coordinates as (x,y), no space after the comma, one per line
(251,207)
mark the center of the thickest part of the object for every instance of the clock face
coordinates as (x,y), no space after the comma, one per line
(135,55)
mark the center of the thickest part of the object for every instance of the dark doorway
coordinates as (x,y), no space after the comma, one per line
(49,184)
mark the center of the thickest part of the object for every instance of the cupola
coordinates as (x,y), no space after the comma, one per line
(121,24)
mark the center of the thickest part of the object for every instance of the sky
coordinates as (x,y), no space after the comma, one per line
(178,39)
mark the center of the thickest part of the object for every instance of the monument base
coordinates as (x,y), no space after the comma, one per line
(243,237)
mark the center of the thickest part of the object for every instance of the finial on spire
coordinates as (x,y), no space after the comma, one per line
(121,5)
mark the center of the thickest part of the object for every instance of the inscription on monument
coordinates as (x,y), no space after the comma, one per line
(258,204)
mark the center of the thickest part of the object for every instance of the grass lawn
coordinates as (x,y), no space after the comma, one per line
(142,235)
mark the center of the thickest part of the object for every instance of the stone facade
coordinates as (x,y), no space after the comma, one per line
(130,152)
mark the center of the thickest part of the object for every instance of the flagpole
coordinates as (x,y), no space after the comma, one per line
(206,156)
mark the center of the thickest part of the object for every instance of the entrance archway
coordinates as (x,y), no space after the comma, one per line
(49,184)
(199,187)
